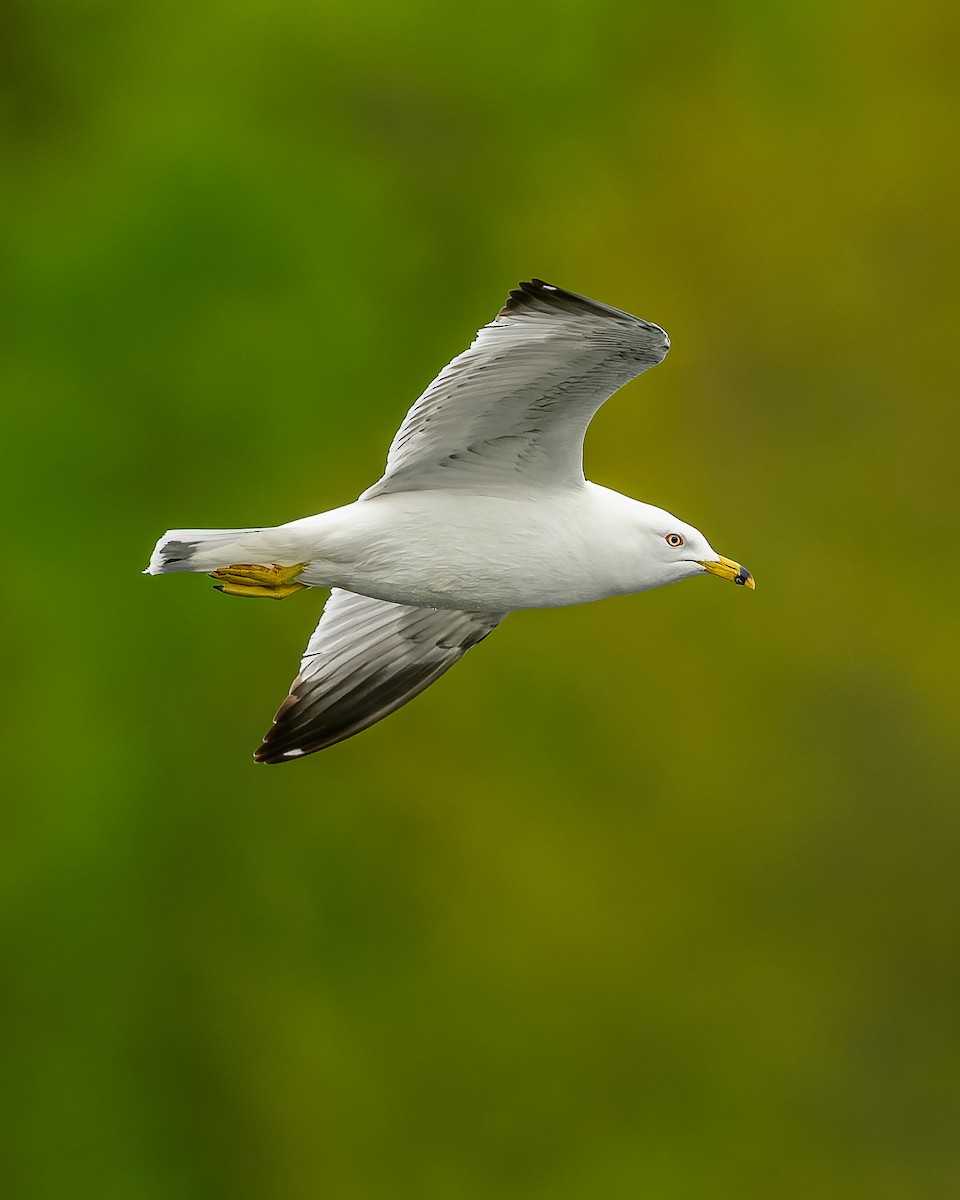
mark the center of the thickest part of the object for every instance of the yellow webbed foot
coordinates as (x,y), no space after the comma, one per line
(258,581)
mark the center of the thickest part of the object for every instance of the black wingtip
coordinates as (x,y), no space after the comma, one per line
(536,295)
(265,754)
(520,296)
(274,748)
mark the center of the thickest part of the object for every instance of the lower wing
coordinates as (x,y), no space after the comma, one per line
(366,658)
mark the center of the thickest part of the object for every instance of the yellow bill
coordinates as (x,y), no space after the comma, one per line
(726,568)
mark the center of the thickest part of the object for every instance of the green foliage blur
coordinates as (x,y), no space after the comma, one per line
(655,898)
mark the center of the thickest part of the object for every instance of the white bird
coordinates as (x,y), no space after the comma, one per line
(483,508)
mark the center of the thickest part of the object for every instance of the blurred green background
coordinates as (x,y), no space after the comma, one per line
(653,898)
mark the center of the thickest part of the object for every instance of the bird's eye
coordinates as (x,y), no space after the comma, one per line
(674,539)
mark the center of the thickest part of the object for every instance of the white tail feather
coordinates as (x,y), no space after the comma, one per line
(205,549)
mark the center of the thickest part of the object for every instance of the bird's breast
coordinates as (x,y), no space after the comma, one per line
(444,550)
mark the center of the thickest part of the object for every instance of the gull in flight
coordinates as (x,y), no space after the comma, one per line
(483,508)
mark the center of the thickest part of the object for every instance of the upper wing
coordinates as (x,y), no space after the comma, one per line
(513,409)
(365,659)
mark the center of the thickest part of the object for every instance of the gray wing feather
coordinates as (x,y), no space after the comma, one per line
(512,410)
(365,659)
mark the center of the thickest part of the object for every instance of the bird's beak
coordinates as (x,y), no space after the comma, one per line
(727,569)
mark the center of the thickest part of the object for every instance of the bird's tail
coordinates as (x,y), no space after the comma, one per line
(206,549)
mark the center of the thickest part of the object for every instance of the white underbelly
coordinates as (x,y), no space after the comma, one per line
(444,550)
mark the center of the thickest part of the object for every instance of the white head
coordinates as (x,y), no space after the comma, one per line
(672,550)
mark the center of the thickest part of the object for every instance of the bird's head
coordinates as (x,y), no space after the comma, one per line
(677,551)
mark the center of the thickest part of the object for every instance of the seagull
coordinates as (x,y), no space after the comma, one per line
(482,509)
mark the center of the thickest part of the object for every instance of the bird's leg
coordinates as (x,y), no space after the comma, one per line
(271,583)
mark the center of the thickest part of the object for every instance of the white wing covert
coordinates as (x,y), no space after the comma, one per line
(365,659)
(512,410)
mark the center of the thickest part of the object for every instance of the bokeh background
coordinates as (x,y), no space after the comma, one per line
(653,898)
